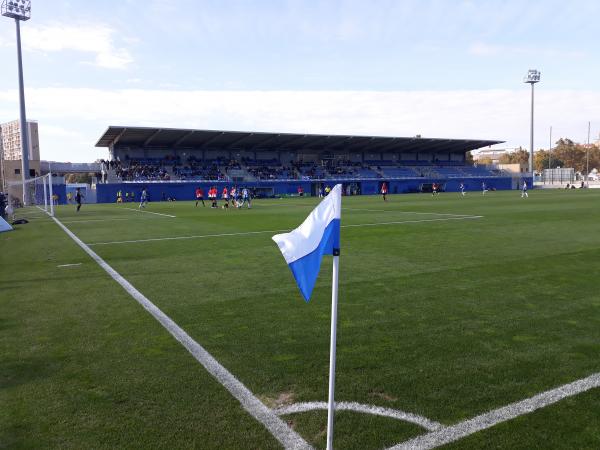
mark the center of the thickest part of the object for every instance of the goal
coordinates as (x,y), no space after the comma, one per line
(38,193)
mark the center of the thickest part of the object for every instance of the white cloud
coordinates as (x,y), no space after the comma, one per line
(485,49)
(489,114)
(96,39)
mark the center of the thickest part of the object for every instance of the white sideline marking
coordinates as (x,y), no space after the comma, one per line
(278,428)
(149,212)
(358,407)
(496,416)
(245,233)
(98,220)
(69,265)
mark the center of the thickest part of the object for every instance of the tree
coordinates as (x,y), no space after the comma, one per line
(517,157)
(595,157)
(486,160)
(540,160)
(504,158)
(79,178)
(572,154)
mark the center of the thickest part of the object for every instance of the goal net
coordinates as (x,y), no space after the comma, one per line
(38,194)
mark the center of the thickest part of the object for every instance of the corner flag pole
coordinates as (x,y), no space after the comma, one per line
(334,301)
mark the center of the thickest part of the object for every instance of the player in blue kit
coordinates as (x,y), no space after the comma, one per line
(143,199)
(524,190)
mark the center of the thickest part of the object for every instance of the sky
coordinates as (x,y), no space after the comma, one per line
(438,68)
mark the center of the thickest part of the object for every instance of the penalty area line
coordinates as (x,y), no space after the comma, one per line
(150,212)
(277,427)
(247,233)
(453,433)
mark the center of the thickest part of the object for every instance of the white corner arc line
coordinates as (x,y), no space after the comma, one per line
(489,419)
(150,212)
(424,422)
(247,233)
(278,428)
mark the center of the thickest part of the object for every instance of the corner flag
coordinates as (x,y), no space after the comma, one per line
(4,226)
(304,247)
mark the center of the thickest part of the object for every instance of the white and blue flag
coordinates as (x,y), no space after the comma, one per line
(304,247)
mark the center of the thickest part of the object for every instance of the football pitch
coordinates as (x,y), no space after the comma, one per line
(462,322)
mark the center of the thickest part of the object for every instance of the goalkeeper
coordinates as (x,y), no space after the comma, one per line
(78,198)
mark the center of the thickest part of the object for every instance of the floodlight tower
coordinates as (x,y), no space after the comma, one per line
(533,76)
(20,10)
(587,156)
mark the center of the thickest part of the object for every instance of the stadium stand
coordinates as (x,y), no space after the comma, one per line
(279,163)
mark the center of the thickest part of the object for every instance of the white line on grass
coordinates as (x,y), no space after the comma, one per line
(175,238)
(411,221)
(69,265)
(101,220)
(149,212)
(278,428)
(368,210)
(436,214)
(366,409)
(460,430)
(245,233)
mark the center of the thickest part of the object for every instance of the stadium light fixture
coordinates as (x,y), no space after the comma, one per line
(16,9)
(20,10)
(533,76)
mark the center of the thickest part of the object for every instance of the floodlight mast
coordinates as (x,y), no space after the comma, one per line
(533,76)
(587,157)
(20,10)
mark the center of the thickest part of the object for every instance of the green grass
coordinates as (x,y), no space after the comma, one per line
(445,319)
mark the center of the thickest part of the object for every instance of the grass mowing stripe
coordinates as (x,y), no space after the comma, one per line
(246,233)
(278,428)
(491,418)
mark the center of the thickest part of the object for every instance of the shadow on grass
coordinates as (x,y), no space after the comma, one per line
(21,371)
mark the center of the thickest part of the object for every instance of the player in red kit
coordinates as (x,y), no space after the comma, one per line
(384,191)
(225,197)
(200,196)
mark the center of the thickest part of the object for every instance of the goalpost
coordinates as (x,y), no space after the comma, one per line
(38,193)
